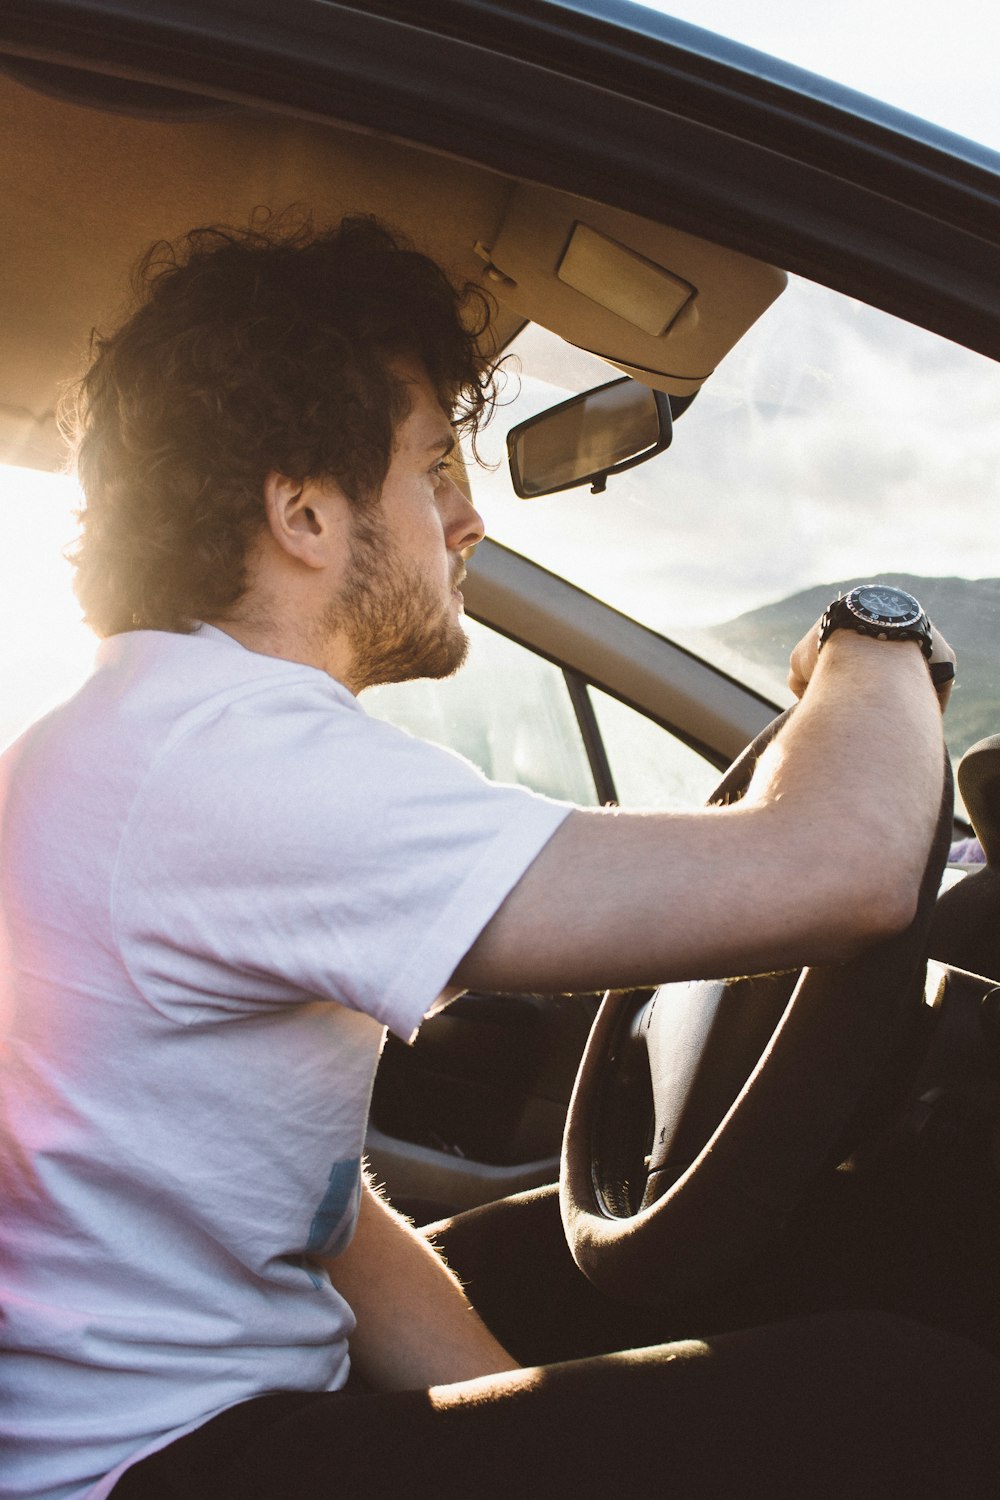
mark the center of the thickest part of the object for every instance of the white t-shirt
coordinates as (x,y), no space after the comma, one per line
(220,880)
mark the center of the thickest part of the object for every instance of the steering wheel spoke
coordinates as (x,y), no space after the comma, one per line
(680,1021)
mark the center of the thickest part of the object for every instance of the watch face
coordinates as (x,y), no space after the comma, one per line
(881,604)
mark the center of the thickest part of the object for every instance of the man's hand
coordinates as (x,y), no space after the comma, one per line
(804,658)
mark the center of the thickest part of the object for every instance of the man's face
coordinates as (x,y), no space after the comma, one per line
(399,605)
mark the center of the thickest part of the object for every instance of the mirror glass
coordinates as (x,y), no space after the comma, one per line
(585,439)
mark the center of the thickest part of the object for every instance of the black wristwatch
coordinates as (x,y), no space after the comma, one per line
(881,611)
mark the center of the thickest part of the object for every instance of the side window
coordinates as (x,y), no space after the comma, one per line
(650,767)
(507,710)
(510,712)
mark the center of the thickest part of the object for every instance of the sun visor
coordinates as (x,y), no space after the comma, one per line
(663,306)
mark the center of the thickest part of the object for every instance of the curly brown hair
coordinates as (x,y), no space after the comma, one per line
(252,351)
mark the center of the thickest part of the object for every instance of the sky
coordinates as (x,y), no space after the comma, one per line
(936,61)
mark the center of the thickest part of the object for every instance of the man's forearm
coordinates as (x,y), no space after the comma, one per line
(415,1326)
(823,855)
(865,747)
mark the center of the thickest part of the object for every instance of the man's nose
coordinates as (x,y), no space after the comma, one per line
(463,524)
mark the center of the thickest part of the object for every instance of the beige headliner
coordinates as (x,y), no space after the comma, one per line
(86,191)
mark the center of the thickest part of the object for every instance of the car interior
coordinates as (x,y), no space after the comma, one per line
(837,1119)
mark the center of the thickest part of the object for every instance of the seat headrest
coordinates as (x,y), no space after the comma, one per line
(979,784)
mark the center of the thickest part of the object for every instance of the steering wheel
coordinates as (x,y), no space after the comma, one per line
(703,1112)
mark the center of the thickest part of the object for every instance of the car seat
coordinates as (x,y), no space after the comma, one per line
(966,927)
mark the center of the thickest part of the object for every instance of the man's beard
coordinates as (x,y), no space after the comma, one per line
(396,623)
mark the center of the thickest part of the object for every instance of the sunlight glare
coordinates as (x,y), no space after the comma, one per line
(49,649)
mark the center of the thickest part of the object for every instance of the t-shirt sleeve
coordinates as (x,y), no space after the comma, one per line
(311,852)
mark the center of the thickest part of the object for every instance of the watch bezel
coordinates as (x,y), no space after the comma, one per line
(847,612)
(913,616)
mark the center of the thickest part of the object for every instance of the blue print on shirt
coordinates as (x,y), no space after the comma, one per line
(333,1221)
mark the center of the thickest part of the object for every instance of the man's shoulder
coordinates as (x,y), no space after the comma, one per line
(153,693)
(162,686)
(192,706)
(204,661)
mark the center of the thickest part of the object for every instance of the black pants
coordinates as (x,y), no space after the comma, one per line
(845,1404)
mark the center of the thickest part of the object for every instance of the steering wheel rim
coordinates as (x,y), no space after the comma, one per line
(839,1031)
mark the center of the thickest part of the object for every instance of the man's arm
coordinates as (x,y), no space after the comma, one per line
(824,855)
(415,1327)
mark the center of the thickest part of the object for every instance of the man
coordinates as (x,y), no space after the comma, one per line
(221,880)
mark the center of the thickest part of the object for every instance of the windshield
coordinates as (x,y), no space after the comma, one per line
(834,445)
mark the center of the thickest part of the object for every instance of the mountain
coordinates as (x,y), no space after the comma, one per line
(969,614)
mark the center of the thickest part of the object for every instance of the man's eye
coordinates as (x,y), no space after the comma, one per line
(442,466)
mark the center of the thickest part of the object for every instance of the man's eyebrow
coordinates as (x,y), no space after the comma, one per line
(443,444)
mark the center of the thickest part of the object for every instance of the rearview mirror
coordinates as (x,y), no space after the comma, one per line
(589,437)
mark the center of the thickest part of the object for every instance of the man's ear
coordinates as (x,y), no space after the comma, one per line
(305,519)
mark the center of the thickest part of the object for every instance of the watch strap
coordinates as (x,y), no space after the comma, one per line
(942,672)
